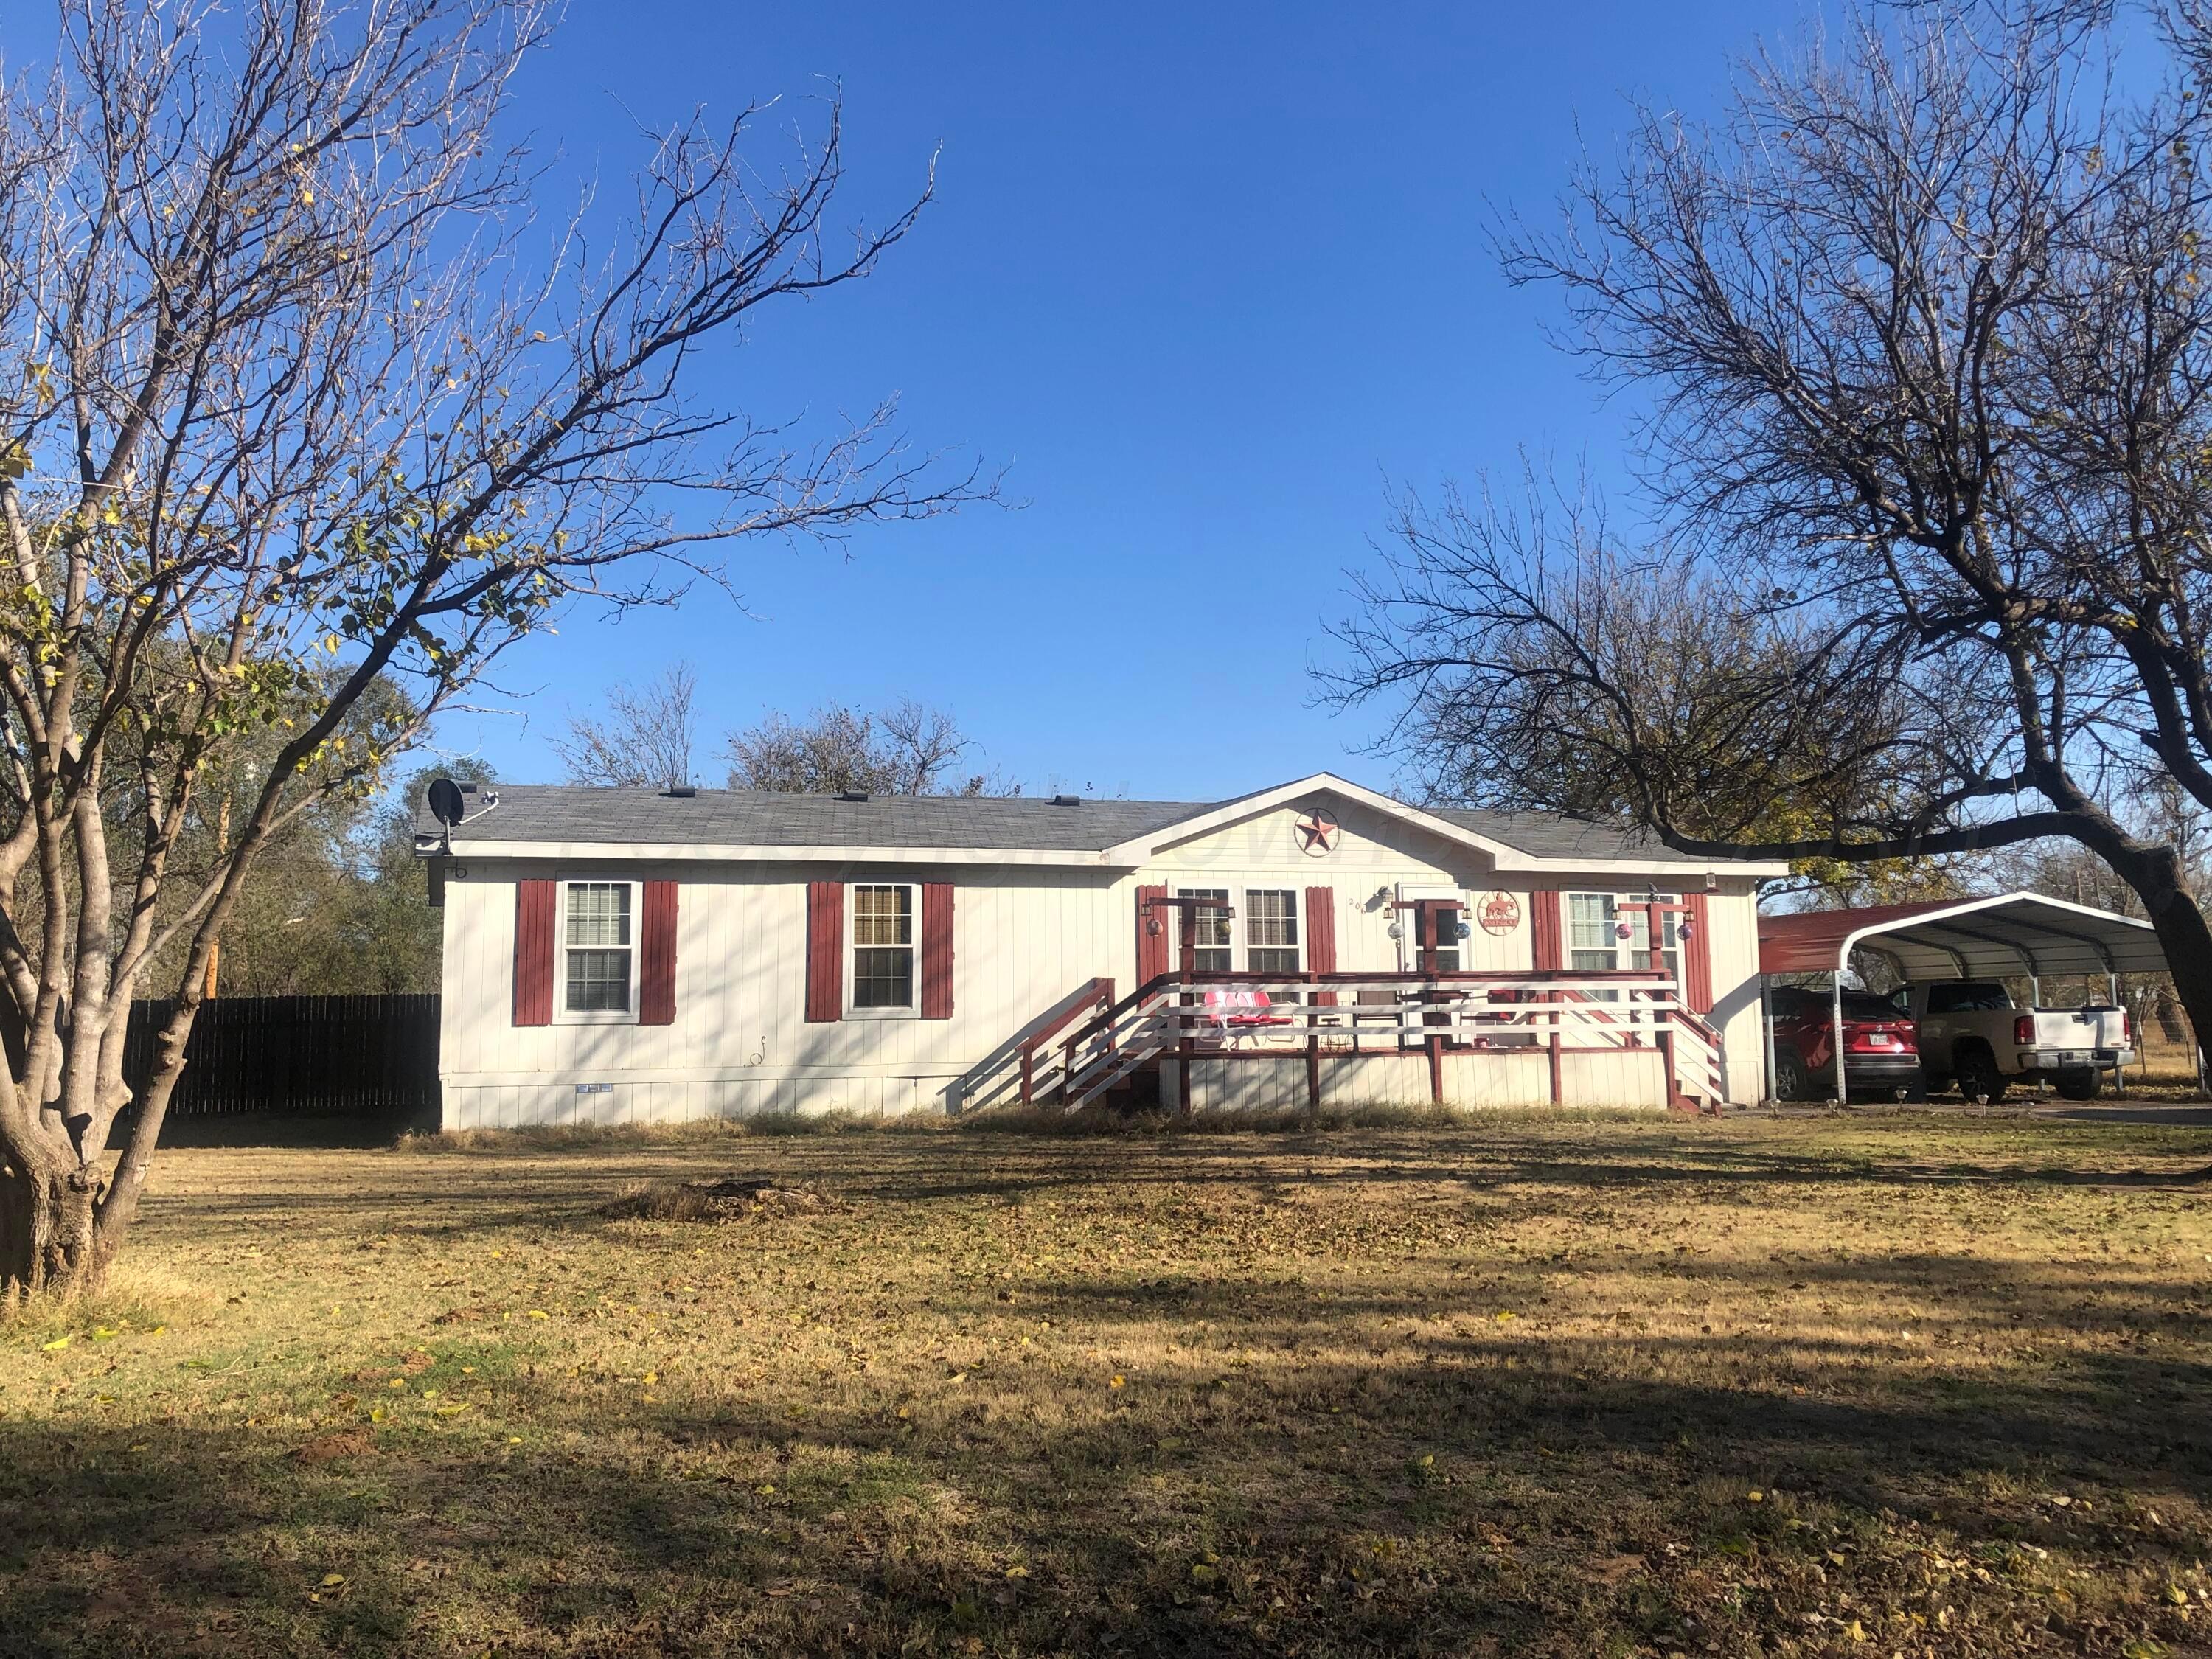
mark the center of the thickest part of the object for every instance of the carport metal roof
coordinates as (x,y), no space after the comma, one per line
(2012,934)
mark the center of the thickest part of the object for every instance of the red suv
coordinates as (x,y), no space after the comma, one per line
(1881,1055)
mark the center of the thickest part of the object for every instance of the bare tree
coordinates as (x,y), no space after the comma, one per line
(1927,342)
(644,741)
(906,749)
(298,433)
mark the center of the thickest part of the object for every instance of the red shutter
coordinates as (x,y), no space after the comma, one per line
(1321,937)
(656,958)
(937,950)
(1698,956)
(825,950)
(1544,930)
(1151,947)
(533,953)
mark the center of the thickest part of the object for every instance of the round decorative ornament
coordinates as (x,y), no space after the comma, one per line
(1498,914)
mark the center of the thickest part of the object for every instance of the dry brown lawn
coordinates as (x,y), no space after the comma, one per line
(1817,1386)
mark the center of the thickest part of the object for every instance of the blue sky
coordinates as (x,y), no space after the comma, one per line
(1207,278)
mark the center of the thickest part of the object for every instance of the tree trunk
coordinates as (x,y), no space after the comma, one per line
(48,1245)
(2183,931)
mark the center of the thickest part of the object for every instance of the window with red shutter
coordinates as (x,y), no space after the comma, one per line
(1698,954)
(937,950)
(1151,936)
(825,951)
(1550,953)
(656,967)
(1321,937)
(533,953)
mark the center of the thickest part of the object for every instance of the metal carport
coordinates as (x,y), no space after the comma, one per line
(2005,936)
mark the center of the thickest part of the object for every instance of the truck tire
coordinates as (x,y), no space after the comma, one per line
(1977,1074)
(1788,1077)
(2081,1082)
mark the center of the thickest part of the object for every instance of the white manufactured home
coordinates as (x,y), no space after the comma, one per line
(632,955)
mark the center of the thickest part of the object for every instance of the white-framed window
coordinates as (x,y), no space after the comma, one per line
(883,967)
(1602,938)
(598,951)
(1215,946)
(1271,930)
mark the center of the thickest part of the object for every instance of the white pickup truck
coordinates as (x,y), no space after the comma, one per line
(1970,1033)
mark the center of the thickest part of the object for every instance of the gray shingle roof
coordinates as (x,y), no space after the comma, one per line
(744,817)
(574,813)
(1552,835)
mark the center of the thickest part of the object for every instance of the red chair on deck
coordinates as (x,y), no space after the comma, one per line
(1238,1014)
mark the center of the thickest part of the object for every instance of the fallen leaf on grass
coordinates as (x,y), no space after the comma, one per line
(1614,1568)
(539,1313)
(56,1345)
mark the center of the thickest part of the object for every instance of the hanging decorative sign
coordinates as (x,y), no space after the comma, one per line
(1497,912)
(1317,833)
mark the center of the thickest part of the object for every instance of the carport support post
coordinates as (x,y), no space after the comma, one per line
(1766,1015)
(2112,996)
(1836,1036)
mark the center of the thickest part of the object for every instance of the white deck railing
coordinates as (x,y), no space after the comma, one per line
(1336,1014)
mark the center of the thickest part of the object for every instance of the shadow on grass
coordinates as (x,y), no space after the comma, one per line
(1347,1469)
(1471,1495)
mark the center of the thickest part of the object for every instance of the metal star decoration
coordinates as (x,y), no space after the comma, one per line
(1317,832)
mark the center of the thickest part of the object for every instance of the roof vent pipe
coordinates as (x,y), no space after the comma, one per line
(1068,800)
(851,794)
(680,791)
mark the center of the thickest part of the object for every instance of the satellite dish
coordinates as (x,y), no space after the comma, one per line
(446,801)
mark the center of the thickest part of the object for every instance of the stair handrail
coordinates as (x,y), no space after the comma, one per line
(1099,988)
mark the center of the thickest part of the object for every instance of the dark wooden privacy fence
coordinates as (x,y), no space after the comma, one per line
(351,1056)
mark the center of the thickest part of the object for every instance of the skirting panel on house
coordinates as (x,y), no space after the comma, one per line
(1491,1078)
(518,1105)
